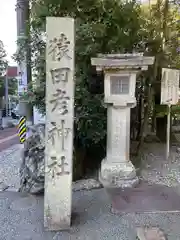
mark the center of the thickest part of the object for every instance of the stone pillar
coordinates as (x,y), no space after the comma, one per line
(59,122)
(117,169)
(119,87)
(117,137)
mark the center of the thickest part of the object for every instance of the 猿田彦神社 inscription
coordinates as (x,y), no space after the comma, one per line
(59,75)
(59,48)
(60,131)
(59,122)
(56,167)
(60,101)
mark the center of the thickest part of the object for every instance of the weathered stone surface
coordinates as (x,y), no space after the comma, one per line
(153,233)
(86,184)
(118,174)
(3,187)
(32,167)
(178,150)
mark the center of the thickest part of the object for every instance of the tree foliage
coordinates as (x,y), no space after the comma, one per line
(12,83)
(3,62)
(109,26)
(3,66)
(101,27)
(162,36)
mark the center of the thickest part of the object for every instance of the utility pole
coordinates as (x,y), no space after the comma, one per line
(6,93)
(24,68)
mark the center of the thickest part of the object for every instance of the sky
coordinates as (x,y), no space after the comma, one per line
(8,29)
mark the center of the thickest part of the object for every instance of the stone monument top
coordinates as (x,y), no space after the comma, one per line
(122,61)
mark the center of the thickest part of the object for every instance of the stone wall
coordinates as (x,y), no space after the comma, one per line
(32,166)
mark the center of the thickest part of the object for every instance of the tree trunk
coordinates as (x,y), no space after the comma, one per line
(153,126)
(161,128)
(160,61)
(78,163)
(1,111)
(140,114)
(1,102)
(144,126)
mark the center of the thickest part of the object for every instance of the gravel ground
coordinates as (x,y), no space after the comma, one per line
(92,219)
(156,169)
(10,161)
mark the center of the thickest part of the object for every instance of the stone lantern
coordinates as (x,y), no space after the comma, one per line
(120,72)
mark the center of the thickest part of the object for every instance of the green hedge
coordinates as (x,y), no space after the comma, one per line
(161,110)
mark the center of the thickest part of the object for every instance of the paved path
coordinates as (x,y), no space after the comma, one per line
(7,132)
(10,160)
(8,137)
(21,217)
(145,198)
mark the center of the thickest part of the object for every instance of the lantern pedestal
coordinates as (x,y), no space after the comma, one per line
(119,89)
(116,169)
(118,175)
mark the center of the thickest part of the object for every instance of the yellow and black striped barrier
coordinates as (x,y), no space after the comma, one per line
(22,130)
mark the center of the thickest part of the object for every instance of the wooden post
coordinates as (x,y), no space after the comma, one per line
(169,97)
(59,122)
(168,130)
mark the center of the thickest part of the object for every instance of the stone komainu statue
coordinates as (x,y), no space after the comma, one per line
(33,158)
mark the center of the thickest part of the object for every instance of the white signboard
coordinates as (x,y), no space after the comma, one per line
(59,122)
(22,78)
(169,96)
(170,86)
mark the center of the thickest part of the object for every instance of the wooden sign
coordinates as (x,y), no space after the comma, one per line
(169,96)
(59,122)
(170,86)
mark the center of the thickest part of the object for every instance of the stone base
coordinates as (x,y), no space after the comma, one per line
(118,175)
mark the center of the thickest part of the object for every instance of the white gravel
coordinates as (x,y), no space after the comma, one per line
(10,160)
(155,167)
